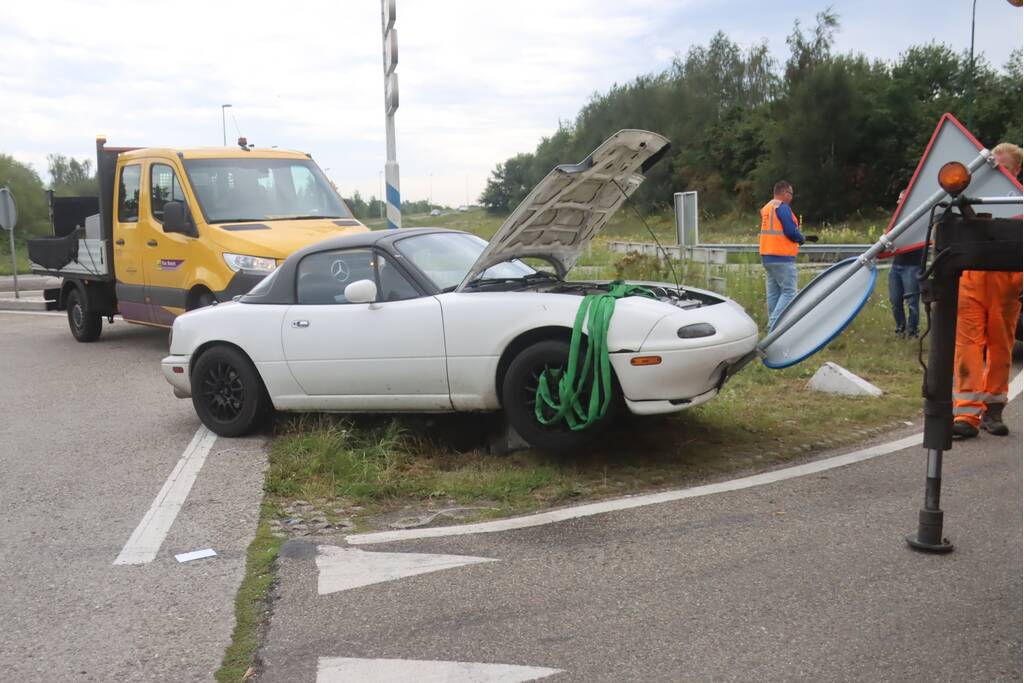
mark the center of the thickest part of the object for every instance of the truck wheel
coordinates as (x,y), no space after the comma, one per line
(85,325)
(203,299)
(227,392)
(519,393)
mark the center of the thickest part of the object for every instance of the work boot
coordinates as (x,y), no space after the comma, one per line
(962,429)
(992,419)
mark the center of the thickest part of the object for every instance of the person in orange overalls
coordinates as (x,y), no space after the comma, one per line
(986,321)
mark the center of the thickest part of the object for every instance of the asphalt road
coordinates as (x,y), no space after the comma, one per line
(88,435)
(804,579)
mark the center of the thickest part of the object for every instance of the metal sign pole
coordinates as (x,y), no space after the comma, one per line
(884,243)
(8,219)
(390,52)
(961,243)
(14,265)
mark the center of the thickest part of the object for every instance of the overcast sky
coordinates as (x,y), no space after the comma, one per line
(479,81)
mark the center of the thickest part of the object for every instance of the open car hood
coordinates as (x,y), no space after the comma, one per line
(561,215)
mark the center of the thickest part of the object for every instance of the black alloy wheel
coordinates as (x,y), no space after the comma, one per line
(223,392)
(85,325)
(227,392)
(519,397)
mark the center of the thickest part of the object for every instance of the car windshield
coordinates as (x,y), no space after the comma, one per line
(446,258)
(234,190)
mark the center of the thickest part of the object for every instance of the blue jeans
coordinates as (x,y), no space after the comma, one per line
(780,282)
(903,286)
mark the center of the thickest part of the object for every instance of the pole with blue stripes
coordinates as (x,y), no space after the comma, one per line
(392,194)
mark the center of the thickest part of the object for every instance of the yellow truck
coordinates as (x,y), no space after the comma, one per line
(178,229)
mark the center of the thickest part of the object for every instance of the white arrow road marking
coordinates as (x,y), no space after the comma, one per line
(347,669)
(346,568)
(147,538)
(630,502)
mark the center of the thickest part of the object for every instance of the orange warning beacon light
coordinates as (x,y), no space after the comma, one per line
(954,177)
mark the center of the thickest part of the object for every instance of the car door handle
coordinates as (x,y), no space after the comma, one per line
(119,242)
(300,323)
(151,243)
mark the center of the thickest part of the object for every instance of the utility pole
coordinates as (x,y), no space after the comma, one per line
(390,35)
(970,82)
(223,124)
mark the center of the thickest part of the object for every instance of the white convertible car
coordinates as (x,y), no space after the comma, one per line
(432,320)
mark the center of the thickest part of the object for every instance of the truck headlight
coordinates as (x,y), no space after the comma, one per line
(237,262)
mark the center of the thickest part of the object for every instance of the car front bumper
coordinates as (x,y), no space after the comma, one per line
(176,372)
(683,379)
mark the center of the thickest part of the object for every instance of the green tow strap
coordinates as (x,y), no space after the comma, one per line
(596,311)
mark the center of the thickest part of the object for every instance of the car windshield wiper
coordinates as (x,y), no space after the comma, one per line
(530,277)
(542,275)
(237,220)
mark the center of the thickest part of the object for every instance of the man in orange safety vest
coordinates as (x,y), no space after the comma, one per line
(986,321)
(779,242)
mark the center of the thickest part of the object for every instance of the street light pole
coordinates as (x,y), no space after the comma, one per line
(970,82)
(223,124)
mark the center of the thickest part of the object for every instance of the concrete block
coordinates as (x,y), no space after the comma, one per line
(833,379)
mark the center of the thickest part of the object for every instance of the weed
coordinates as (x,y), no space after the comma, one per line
(250,602)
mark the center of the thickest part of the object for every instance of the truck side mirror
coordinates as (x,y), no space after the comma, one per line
(175,219)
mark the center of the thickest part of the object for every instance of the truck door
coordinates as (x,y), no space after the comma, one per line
(167,260)
(131,283)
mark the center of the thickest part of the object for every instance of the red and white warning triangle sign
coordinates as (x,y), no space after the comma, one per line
(951,142)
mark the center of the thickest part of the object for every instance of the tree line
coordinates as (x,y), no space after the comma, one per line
(373,207)
(68,177)
(846,130)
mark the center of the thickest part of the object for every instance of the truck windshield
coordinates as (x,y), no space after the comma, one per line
(233,190)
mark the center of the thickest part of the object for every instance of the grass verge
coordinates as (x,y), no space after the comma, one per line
(251,602)
(24,267)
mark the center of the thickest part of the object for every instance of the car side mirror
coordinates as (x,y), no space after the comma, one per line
(176,220)
(361,292)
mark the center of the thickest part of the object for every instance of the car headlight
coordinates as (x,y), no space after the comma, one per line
(237,262)
(695,331)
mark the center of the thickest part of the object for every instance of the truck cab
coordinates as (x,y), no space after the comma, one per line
(179,229)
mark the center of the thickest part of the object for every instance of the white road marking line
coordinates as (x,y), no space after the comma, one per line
(342,569)
(52,315)
(147,538)
(630,502)
(346,669)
